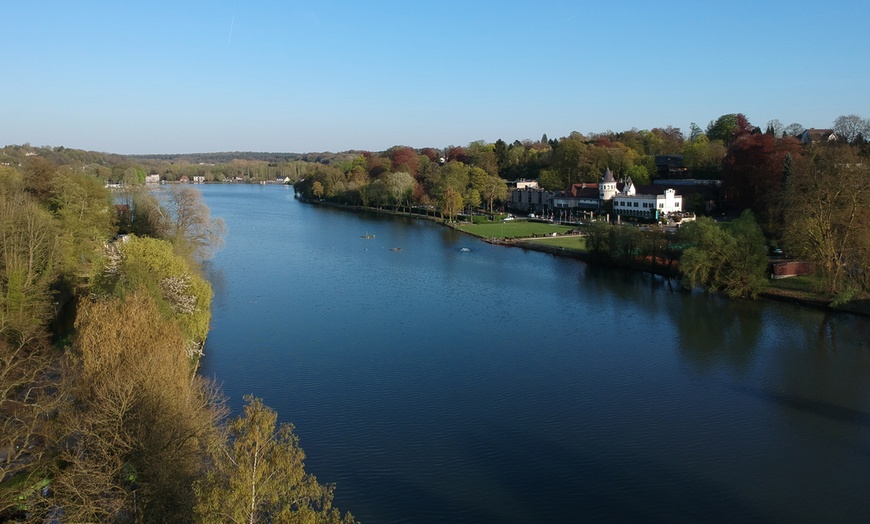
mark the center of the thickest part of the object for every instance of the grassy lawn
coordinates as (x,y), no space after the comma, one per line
(513,229)
(799,285)
(572,242)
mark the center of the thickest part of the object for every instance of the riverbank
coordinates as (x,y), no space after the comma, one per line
(797,290)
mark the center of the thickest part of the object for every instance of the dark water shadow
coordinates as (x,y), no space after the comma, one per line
(817,408)
(560,484)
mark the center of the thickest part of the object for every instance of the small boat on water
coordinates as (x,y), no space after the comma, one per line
(464,250)
(368,236)
(395,249)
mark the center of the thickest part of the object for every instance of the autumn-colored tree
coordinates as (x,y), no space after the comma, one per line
(457,154)
(752,172)
(137,421)
(430,153)
(317,189)
(377,165)
(404,159)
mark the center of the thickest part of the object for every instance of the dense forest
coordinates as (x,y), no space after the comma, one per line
(103,309)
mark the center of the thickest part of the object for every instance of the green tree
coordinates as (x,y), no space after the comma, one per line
(258,475)
(732,261)
(723,128)
(29,254)
(483,156)
(638,173)
(39,175)
(399,187)
(151,266)
(572,160)
(494,188)
(551,181)
(703,157)
(86,215)
(451,203)
(598,239)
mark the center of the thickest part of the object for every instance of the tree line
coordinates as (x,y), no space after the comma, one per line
(811,201)
(103,418)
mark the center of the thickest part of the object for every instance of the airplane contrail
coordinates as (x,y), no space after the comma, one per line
(232,23)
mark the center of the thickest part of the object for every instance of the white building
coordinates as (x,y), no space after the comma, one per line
(649,201)
(628,199)
(646,201)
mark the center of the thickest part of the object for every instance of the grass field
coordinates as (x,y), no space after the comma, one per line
(513,229)
(574,243)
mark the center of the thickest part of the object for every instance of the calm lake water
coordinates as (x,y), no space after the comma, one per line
(498,385)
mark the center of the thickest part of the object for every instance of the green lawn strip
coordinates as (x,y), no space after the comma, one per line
(572,242)
(806,289)
(803,285)
(513,229)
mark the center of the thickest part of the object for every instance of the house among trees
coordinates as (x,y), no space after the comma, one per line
(810,136)
(528,197)
(670,167)
(579,196)
(523,184)
(627,198)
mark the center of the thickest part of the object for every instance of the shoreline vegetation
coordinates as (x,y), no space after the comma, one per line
(103,415)
(569,240)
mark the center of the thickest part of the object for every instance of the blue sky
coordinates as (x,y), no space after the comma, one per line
(299,76)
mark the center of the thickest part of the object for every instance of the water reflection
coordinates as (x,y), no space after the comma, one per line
(507,386)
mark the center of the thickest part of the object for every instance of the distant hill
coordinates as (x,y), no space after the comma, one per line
(229,156)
